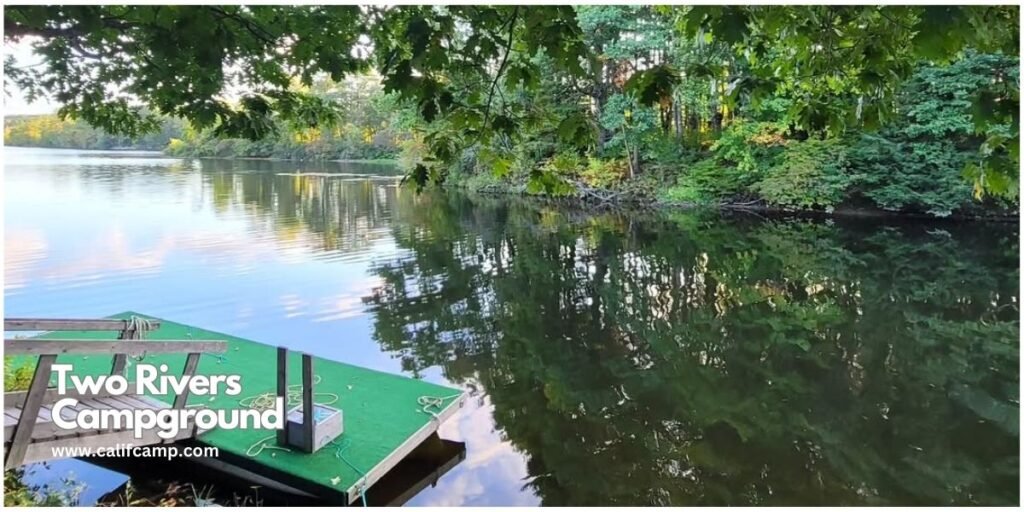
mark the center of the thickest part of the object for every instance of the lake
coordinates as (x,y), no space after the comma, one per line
(646,358)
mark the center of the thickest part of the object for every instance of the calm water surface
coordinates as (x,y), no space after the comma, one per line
(672,358)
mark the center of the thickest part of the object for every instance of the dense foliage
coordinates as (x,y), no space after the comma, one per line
(17,493)
(184,61)
(796,106)
(363,130)
(726,147)
(916,163)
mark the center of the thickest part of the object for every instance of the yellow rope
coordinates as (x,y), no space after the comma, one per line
(264,401)
(428,402)
(261,445)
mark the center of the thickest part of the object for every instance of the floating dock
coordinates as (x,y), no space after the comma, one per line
(385,416)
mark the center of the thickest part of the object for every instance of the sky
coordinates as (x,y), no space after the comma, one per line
(14,102)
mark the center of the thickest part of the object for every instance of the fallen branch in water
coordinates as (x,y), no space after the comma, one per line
(600,195)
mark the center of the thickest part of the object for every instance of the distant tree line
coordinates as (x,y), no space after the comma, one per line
(363,129)
(50,131)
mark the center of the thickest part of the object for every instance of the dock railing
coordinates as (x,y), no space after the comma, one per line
(129,343)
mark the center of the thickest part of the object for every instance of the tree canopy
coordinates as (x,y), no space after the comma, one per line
(103,63)
(233,69)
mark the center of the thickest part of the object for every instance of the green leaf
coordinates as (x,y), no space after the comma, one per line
(653,85)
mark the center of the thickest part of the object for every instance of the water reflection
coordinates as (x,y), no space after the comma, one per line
(340,217)
(693,359)
(614,359)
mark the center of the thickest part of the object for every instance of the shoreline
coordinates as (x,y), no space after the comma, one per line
(628,202)
(393,162)
(382,161)
(623,199)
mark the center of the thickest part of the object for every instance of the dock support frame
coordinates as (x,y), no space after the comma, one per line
(308,407)
(282,391)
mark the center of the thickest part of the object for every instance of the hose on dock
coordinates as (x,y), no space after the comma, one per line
(340,453)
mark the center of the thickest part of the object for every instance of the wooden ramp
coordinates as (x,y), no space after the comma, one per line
(385,416)
(30,432)
(46,436)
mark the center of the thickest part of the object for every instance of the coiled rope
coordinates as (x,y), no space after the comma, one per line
(264,401)
(434,402)
(140,327)
(432,405)
(258,447)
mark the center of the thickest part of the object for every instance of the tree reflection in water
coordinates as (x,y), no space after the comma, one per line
(693,358)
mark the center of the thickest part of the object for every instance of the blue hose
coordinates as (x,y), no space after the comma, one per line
(340,453)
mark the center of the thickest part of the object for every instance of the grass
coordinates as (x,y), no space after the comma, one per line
(17,493)
(16,378)
(175,494)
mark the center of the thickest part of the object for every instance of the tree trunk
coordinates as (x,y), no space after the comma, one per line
(599,93)
(677,119)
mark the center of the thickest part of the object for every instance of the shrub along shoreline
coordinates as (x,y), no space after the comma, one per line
(631,200)
(918,164)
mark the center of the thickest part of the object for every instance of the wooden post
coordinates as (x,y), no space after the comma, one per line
(118,367)
(29,412)
(87,346)
(119,359)
(282,391)
(307,401)
(190,369)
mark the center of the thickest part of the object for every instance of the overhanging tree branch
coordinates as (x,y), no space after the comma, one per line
(501,68)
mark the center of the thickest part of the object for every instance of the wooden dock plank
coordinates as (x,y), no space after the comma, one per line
(67,324)
(43,450)
(51,395)
(152,402)
(133,348)
(46,429)
(134,401)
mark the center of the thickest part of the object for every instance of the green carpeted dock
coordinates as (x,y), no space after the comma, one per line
(384,418)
